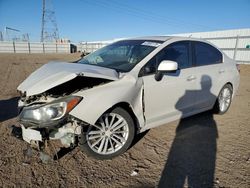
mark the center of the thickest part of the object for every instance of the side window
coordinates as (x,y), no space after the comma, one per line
(178,51)
(206,54)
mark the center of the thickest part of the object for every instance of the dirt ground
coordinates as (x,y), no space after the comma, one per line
(202,151)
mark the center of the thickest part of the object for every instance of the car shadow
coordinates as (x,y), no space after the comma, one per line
(138,137)
(8,108)
(192,156)
(62,152)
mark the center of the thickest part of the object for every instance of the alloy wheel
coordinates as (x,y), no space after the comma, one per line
(108,135)
(225,99)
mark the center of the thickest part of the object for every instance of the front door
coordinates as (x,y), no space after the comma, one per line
(173,96)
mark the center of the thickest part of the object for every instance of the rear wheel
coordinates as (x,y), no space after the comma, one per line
(224,100)
(111,136)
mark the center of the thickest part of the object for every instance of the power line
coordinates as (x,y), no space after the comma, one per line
(155,15)
(142,14)
(128,12)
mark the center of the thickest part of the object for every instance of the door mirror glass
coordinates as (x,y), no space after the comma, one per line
(167,66)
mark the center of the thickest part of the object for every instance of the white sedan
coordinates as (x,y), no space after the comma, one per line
(105,99)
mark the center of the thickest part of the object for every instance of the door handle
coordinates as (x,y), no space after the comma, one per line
(221,71)
(190,78)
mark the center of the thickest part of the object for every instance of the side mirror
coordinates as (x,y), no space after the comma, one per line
(164,67)
(167,66)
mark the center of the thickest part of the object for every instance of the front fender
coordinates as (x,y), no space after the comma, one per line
(101,98)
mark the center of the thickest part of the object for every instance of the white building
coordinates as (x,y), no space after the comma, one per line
(235,43)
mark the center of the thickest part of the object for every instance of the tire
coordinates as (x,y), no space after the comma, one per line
(111,136)
(223,100)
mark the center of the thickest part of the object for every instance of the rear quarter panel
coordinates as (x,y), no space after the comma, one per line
(231,75)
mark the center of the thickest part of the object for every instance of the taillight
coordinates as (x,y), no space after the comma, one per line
(238,67)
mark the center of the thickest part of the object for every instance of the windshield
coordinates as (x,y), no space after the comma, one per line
(121,56)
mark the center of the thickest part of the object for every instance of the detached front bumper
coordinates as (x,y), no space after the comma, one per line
(30,135)
(37,137)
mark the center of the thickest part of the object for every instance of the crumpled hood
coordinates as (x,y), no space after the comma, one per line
(56,73)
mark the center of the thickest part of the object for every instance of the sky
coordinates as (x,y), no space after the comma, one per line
(94,20)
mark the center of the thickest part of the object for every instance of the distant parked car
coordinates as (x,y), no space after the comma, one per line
(105,99)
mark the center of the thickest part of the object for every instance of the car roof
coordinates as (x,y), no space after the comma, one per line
(157,38)
(165,38)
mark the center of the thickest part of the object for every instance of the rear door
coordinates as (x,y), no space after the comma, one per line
(210,71)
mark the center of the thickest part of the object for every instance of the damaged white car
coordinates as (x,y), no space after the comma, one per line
(105,99)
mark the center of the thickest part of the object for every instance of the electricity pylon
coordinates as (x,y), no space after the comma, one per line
(49,30)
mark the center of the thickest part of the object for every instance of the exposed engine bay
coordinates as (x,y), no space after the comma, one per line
(77,84)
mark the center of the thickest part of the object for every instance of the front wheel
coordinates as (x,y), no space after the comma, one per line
(111,136)
(224,100)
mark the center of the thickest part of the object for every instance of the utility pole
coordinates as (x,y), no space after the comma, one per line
(10,34)
(25,37)
(49,31)
(1,36)
(42,32)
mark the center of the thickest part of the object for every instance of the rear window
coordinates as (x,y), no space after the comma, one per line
(206,54)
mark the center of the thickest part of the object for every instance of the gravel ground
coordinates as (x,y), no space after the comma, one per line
(205,150)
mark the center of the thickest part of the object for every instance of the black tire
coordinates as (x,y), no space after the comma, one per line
(217,108)
(85,145)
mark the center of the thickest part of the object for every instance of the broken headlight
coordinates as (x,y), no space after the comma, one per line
(50,112)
